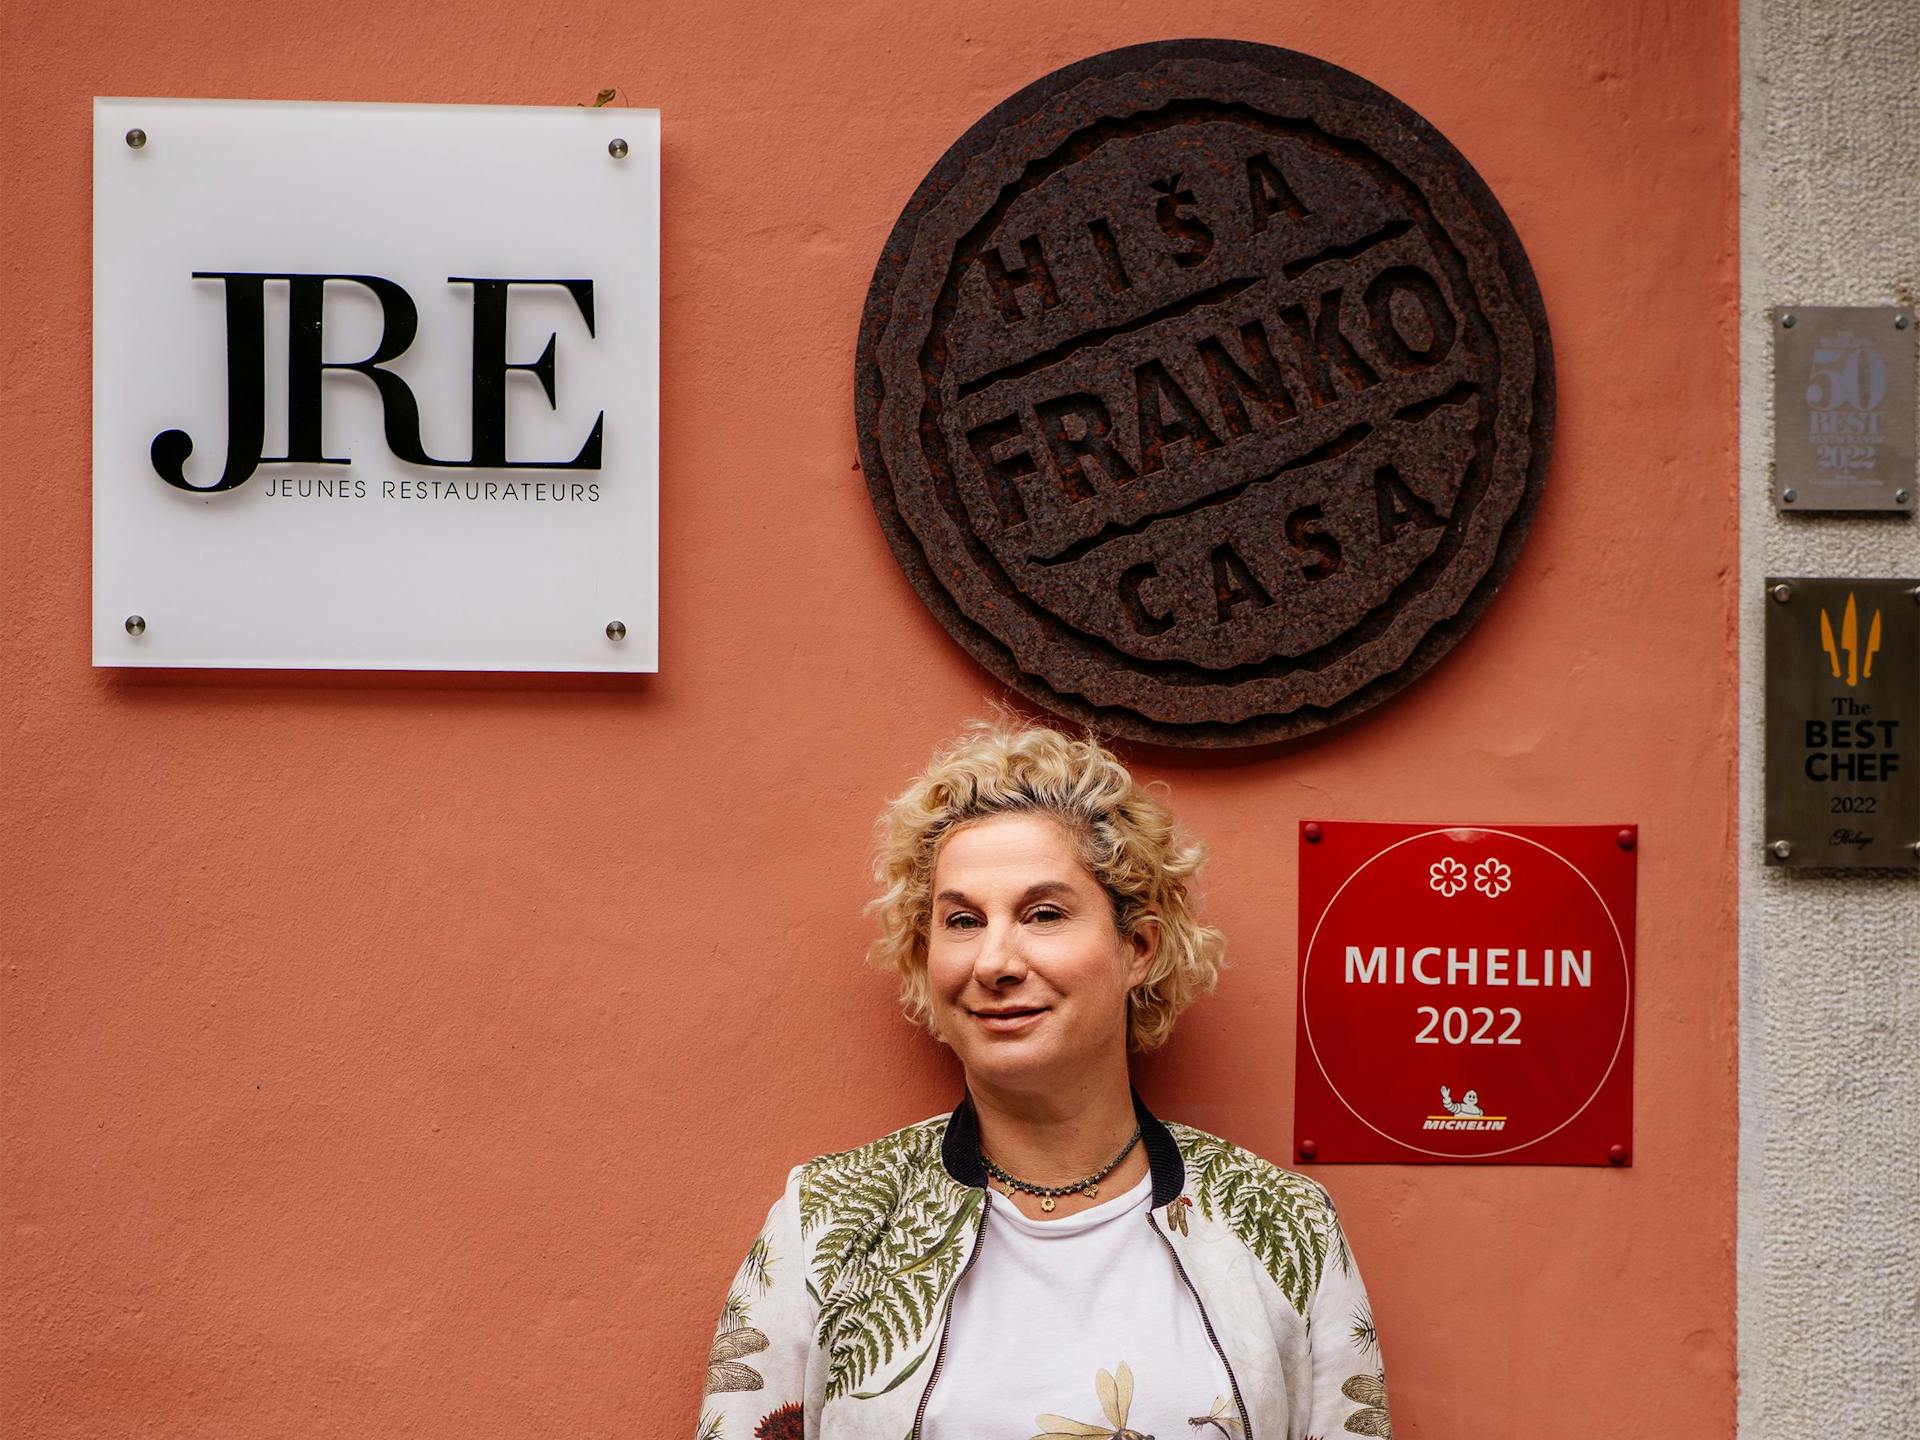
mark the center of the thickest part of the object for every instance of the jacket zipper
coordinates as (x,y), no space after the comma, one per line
(946,1319)
(1246,1421)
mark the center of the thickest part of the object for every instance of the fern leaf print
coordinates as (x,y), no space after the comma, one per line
(890,1247)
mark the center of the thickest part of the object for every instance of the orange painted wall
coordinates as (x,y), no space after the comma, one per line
(416,1055)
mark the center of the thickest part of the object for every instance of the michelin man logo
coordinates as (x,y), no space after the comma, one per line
(1463,1114)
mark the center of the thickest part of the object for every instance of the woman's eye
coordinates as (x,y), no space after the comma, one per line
(961,922)
(1046,913)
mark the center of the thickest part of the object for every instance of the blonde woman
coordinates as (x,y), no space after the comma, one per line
(1050,1260)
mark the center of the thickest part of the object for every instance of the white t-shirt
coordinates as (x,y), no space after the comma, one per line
(1051,1304)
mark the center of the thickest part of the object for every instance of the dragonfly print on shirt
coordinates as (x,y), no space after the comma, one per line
(1221,1418)
(1116,1403)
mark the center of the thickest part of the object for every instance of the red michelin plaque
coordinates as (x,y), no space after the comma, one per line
(1466,994)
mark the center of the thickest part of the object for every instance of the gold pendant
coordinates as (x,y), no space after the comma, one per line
(1093,1192)
(1046,1203)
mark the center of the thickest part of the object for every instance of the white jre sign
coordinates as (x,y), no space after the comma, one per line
(375,386)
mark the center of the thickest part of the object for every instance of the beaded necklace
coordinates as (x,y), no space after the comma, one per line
(1047,1193)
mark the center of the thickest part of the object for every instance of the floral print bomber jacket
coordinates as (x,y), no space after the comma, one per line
(835,1324)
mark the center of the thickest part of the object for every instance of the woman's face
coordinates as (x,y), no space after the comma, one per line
(1027,973)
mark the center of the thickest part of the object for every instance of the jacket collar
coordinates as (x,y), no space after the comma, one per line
(960,1150)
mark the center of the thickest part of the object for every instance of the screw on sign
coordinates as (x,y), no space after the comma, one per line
(1466,994)
(1204,393)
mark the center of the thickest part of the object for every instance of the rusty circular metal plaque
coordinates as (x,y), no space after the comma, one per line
(1205,393)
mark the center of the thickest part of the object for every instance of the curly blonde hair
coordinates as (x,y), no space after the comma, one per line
(1124,835)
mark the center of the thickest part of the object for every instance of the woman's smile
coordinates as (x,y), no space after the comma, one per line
(1008,1020)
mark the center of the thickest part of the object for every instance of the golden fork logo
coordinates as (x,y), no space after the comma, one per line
(1859,667)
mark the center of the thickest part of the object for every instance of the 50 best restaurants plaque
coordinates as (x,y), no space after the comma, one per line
(375,386)
(1466,994)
